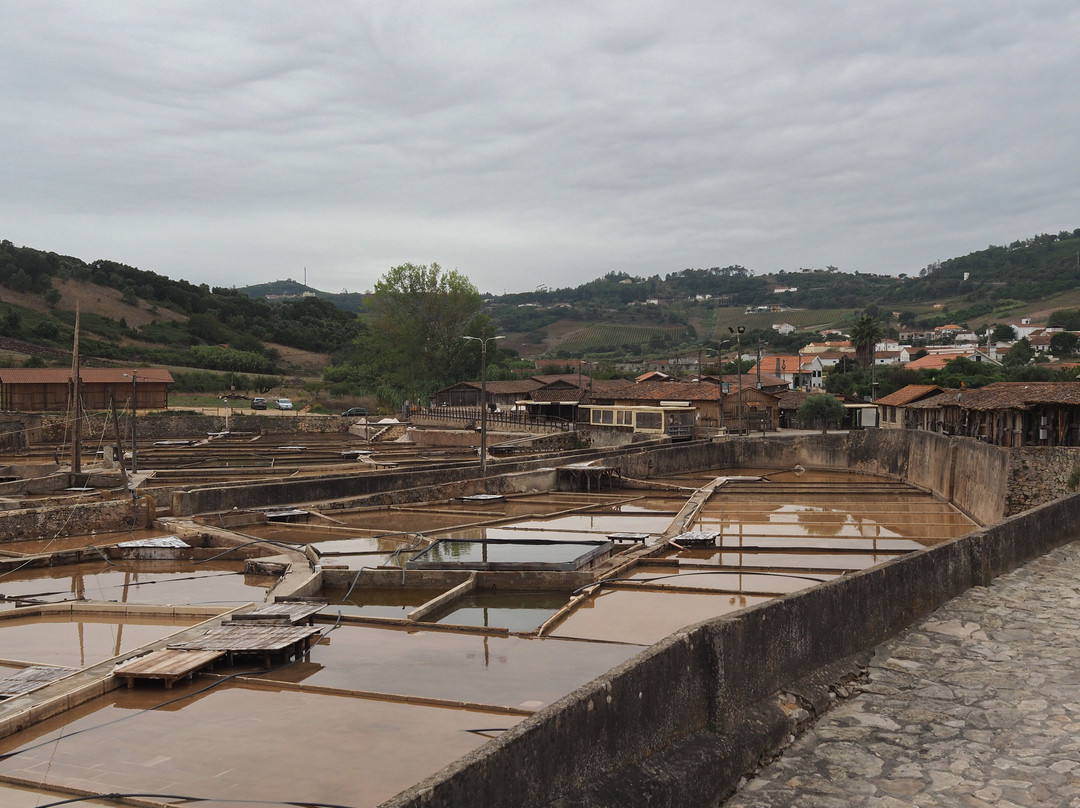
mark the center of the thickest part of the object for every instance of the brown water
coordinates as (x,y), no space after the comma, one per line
(513,610)
(646,616)
(37,546)
(148,582)
(510,671)
(241,743)
(398,602)
(12,797)
(78,640)
(756,583)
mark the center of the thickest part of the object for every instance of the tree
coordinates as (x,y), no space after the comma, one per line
(1003,332)
(865,336)
(1063,343)
(419,314)
(822,409)
(1019,354)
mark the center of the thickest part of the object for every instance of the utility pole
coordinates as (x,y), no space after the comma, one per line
(738,331)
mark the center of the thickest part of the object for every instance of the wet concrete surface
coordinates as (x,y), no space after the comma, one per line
(240,743)
(976,706)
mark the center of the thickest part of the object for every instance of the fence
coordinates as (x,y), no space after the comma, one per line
(521,421)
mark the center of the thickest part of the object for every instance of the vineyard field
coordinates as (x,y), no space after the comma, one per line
(610,337)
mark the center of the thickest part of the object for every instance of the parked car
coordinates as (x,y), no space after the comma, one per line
(258,403)
(283,404)
(353,412)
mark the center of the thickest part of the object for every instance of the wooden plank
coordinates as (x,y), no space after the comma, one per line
(166,665)
(294,612)
(30,678)
(249,638)
(167,662)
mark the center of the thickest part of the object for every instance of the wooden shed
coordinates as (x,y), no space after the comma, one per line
(49,389)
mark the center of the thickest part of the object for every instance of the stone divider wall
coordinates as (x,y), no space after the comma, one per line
(680,723)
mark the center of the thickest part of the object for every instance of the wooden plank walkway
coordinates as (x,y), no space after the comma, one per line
(167,665)
(30,678)
(291,611)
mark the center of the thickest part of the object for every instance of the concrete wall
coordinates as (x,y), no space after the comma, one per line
(76,518)
(973,475)
(681,722)
(182,424)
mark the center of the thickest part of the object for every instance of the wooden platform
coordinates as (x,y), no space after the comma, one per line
(30,678)
(252,637)
(167,665)
(294,612)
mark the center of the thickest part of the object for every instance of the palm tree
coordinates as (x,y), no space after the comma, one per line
(865,335)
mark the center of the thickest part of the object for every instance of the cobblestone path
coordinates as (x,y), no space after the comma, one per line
(977,706)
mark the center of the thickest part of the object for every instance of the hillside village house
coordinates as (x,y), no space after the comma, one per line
(49,389)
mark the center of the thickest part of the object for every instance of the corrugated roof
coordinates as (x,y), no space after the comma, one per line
(88,375)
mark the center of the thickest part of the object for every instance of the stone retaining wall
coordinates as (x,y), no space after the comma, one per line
(1039,474)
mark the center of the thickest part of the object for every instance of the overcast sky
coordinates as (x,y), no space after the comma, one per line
(529,143)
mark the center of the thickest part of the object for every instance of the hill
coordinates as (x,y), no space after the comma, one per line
(132,315)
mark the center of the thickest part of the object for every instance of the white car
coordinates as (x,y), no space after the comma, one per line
(283,404)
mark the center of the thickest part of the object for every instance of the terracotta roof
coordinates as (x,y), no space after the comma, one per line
(906,395)
(511,387)
(935,361)
(549,395)
(88,375)
(942,399)
(554,377)
(1020,395)
(663,391)
(791,399)
(787,364)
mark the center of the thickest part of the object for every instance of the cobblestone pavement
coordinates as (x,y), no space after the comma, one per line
(977,706)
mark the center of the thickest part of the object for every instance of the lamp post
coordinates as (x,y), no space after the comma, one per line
(738,331)
(134,400)
(483,398)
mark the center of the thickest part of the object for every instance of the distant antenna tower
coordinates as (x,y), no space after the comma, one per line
(305,276)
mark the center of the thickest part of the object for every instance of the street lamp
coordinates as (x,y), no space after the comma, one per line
(134,393)
(483,398)
(738,331)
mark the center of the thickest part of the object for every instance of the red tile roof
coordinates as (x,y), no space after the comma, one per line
(906,395)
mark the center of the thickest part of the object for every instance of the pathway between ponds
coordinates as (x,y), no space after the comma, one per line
(977,706)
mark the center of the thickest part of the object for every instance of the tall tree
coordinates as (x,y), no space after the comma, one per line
(865,334)
(418,315)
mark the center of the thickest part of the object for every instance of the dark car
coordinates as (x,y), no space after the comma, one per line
(258,403)
(353,412)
